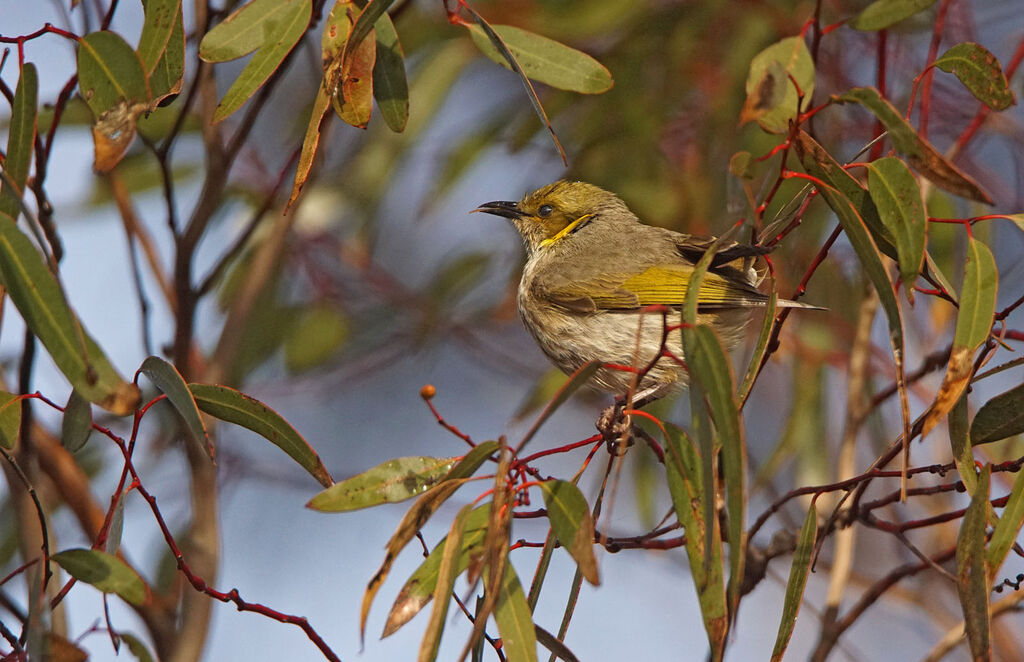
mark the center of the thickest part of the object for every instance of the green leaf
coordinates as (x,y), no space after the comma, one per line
(514,619)
(980,73)
(390,86)
(472,460)
(977,297)
(446,574)
(761,347)
(572,524)
(513,62)
(161,16)
(136,647)
(545,60)
(960,444)
(170,382)
(104,571)
(283,28)
(421,585)
(229,405)
(20,141)
(1004,535)
(710,367)
(972,576)
(10,419)
(76,426)
(39,299)
(1000,417)
(898,199)
(818,164)
(883,13)
(771,95)
(922,155)
(249,27)
(165,75)
(686,486)
(320,331)
(973,325)
(109,72)
(390,482)
(797,582)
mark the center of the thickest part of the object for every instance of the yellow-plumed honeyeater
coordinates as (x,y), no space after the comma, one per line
(592,267)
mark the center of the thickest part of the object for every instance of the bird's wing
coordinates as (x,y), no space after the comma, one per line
(660,284)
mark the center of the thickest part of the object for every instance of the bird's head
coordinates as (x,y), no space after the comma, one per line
(557,210)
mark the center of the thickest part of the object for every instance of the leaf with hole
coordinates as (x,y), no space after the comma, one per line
(775,73)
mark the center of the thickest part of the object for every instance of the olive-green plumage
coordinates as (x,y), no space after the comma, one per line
(592,266)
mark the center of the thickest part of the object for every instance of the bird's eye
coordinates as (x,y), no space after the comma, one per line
(545,210)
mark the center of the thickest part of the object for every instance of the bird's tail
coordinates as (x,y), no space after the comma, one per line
(786,303)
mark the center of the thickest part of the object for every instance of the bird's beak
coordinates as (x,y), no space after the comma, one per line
(501,208)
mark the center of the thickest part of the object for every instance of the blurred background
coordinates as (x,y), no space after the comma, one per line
(386,283)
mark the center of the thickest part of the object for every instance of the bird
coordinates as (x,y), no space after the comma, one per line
(592,267)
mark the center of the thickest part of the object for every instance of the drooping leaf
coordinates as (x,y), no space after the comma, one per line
(20,139)
(10,419)
(104,571)
(973,325)
(816,162)
(972,576)
(797,582)
(1000,417)
(364,25)
(514,619)
(922,155)
(1004,535)
(881,14)
(249,27)
(170,382)
(76,425)
(545,60)
(113,542)
(230,405)
(683,466)
(390,86)
(160,19)
(761,346)
(513,62)
(572,524)
(351,77)
(41,303)
(898,199)
(421,585)
(316,124)
(390,482)
(446,575)
(710,367)
(282,32)
(771,95)
(980,73)
(166,74)
(414,519)
(960,444)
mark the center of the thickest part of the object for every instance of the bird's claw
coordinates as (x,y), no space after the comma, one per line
(615,429)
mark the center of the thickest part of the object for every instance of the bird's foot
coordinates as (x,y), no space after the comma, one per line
(615,429)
